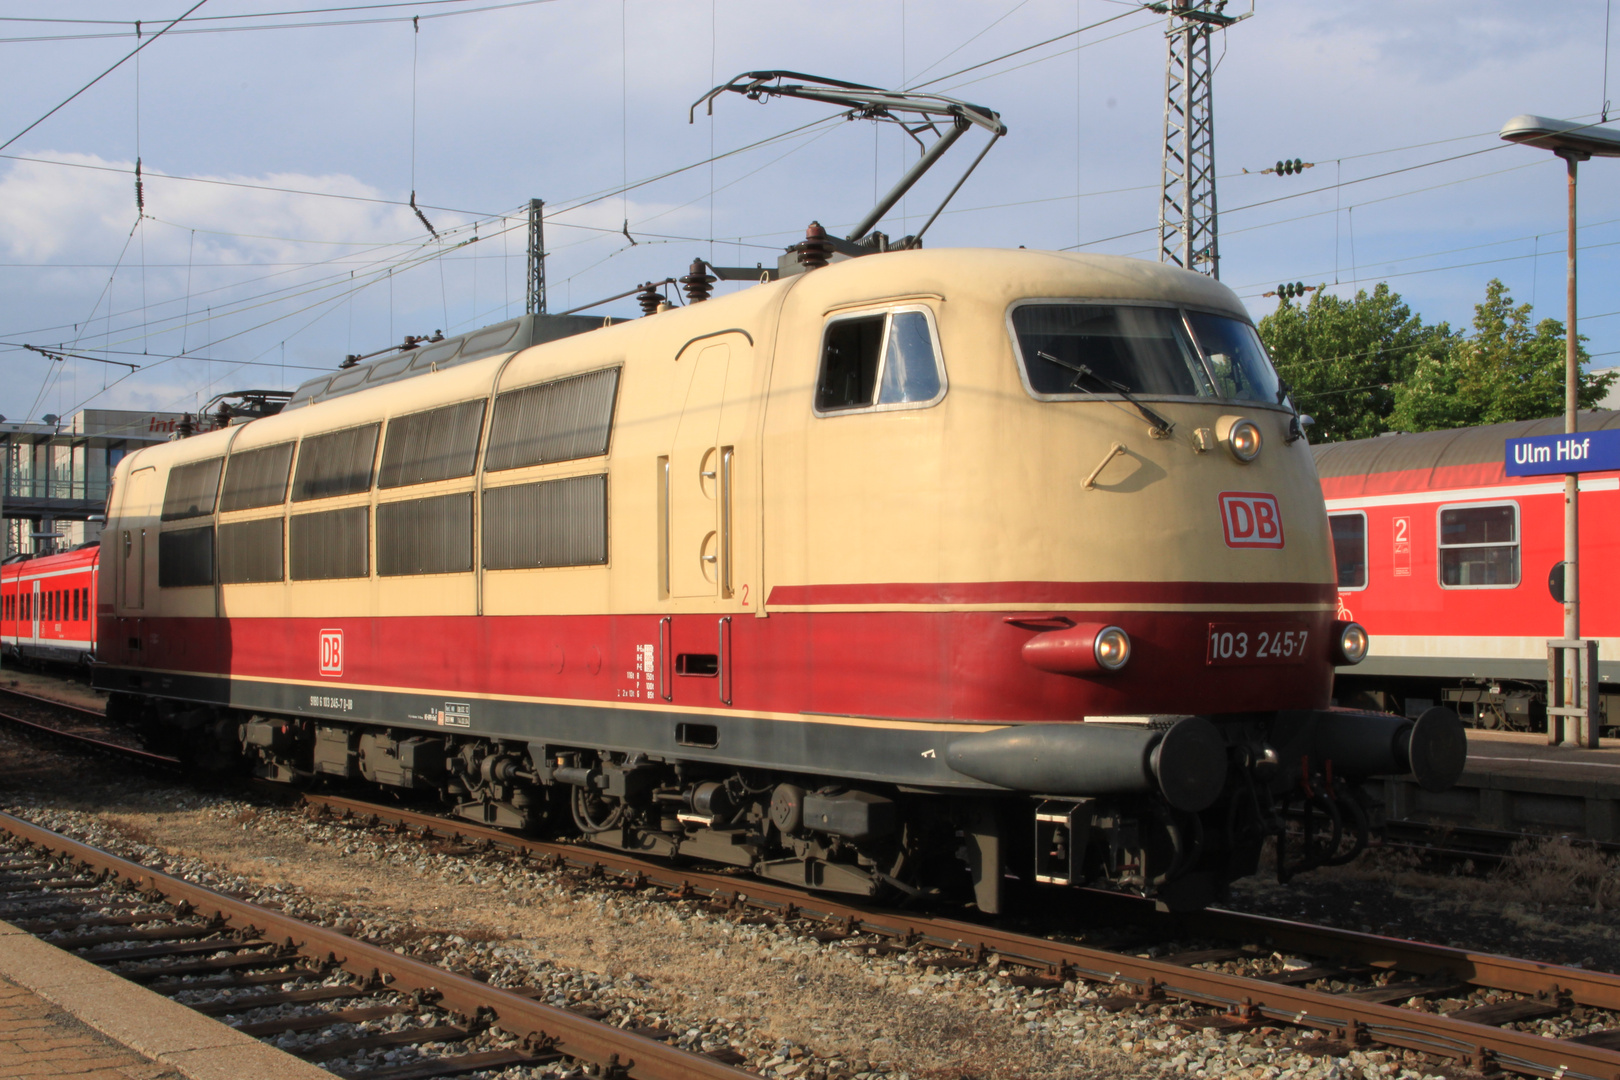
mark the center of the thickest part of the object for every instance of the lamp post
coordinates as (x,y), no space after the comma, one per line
(1574,143)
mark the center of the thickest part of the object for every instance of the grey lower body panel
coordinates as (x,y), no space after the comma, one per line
(851,748)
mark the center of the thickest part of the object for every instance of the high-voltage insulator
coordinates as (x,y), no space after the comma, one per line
(697,283)
(1289,168)
(1289,290)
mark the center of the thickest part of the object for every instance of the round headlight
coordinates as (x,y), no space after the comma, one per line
(1112,648)
(1353,643)
(1244,440)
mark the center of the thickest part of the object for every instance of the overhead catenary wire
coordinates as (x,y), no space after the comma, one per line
(120,63)
(289,26)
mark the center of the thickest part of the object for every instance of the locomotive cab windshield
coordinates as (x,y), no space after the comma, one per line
(1136,349)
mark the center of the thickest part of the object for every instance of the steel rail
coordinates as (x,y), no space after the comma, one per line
(146,757)
(55,703)
(617,1052)
(1242,998)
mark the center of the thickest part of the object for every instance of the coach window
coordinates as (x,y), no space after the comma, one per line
(1479,546)
(1350,549)
(880,361)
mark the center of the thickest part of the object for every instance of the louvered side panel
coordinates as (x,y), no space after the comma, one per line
(186,557)
(250,551)
(336,463)
(437,444)
(553,523)
(192,489)
(257,478)
(329,544)
(564,420)
(425,536)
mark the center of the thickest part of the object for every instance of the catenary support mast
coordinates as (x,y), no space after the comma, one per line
(534,298)
(1187,230)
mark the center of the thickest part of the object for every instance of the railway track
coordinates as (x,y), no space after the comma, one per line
(1377,973)
(1353,990)
(180,938)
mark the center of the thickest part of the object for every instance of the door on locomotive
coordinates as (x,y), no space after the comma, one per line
(700,513)
(132,541)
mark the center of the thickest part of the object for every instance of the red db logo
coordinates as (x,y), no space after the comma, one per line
(331,652)
(1251,519)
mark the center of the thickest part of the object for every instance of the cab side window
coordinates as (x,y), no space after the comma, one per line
(879,360)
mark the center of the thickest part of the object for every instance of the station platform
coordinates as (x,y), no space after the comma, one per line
(1514,781)
(62,1016)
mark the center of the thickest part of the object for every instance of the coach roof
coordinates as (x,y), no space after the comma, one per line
(1429,450)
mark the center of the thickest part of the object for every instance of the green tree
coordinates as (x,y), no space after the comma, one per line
(1508,369)
(1343,358)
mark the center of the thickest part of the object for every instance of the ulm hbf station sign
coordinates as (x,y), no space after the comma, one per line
(1543,455)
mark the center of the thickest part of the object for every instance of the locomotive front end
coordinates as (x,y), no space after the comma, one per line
(1167,664)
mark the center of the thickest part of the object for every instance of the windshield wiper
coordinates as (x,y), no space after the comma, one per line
(1160,424)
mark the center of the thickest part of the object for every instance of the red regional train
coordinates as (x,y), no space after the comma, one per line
(47,606)
(1445,559)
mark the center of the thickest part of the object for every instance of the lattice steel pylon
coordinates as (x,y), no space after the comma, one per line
(1187,213)
(534,297)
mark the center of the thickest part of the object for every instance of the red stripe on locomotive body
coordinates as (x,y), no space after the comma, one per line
(1012,593)
(926,666)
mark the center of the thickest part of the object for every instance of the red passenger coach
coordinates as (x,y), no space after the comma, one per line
(47,606)
(1445,560)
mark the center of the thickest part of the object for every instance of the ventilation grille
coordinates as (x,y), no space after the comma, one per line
(257,478)
(330,544)
(556,421)
(186,556)
(435,445)
(250,551)
(192,489)
(425,536)
(337,463)
(554,523)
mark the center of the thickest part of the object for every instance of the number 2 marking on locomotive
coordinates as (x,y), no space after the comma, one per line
(745,596)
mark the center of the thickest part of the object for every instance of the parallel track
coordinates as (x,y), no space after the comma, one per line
(1357,1017)
(205,923)
(1424,970)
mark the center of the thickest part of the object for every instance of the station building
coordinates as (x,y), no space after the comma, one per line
(54,489)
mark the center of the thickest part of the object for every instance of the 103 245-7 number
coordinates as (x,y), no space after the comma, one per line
(1256,643)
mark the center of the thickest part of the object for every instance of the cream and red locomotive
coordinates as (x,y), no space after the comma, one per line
(929,571)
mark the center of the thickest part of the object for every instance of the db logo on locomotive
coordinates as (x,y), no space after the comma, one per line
(1251,519)
(331,652)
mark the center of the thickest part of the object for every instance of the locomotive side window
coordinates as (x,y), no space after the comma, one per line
(257,478)
(886,359)
(1350,548)
(329,544)
(250,551)
(1144,349)
(186,557)
(1236,358)
(563,420)
(552,523)
(425,536)
(337,463)
(1479,546)
(192,489)
(437,444)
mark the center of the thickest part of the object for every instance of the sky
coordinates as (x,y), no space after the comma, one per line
(280,143)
